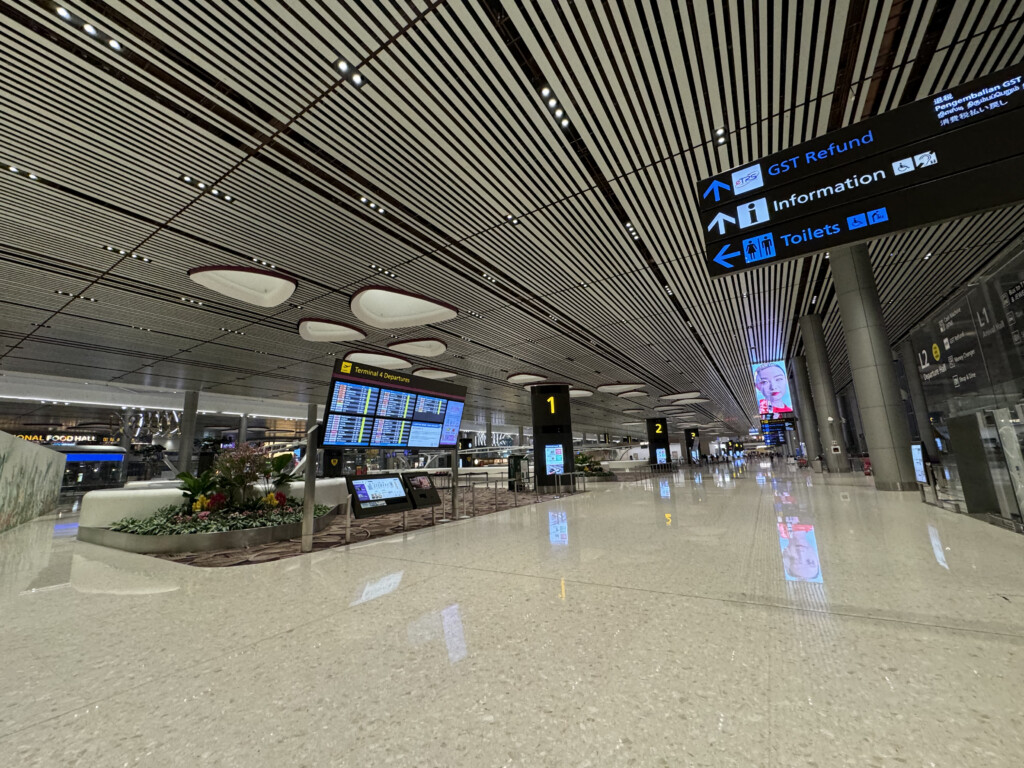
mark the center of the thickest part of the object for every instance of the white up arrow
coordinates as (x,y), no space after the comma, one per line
(719,221)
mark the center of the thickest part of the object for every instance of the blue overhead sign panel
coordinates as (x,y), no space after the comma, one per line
(953,154)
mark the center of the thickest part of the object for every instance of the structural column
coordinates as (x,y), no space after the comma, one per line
(243,430)
(490,434)
(520,434)
(126,438)
(916,391)
(806,419)
(188,431)
(309,488)
(874,377)
(824,394)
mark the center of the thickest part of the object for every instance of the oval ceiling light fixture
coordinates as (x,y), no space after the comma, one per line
(697,400)
(384,307)
(525,378)
(377,359)
(614,389)
(434,373)
(318,329)
(680,396)
(634,393)
(573,392)
(253,286)
(420,347)
(632,411)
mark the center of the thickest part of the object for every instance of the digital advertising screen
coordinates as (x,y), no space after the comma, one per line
(373,407)
(662,455)
(554,459)
(917,453)
(772,387)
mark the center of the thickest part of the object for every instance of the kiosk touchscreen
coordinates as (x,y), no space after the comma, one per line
(377,494)
(422,492)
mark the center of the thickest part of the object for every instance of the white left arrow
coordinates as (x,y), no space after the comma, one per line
(719,221)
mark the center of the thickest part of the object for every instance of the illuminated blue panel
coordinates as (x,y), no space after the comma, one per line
(95,456)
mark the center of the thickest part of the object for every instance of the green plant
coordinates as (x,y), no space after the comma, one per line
(193,487)
(178,519)
(278,470)
(239,469)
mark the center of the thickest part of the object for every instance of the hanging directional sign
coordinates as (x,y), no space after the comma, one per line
(953,154)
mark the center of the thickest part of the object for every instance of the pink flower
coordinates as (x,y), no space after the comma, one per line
(204,514)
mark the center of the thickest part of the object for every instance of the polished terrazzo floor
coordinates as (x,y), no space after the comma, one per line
(767,618)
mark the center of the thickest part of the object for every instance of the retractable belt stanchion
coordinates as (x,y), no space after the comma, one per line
(405,520)
(348,520)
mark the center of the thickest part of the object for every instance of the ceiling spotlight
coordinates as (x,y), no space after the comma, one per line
(343,65)
(565,123)
(363,200)
(12,168)
(545,92)
(187,179)
(201,185)
(721,140)
(33,176)
(720,132)
(89,29)
(559,113)
(357,80)
(64,14)
(229,198)
(115,45)
(214,191)
(552,103)
(928,256)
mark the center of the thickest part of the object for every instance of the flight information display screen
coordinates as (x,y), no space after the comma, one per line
(372,407)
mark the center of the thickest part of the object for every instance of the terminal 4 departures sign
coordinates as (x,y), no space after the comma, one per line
(953,154)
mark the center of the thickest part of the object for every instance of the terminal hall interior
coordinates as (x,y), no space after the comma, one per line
(512,382)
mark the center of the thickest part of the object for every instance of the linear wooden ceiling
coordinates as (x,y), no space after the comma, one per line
(450,135)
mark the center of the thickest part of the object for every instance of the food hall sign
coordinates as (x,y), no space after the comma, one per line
(953,154)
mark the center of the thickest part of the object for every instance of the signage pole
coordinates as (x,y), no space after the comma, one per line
(455,482)
(310,485)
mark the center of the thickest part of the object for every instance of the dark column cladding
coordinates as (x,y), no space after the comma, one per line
(552,433)
(657,440)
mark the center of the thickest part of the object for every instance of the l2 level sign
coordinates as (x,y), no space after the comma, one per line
(953,154)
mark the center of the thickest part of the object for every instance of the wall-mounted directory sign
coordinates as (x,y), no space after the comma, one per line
(956,153)
(376,408)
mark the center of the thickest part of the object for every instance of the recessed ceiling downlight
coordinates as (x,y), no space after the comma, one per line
(420,347)
(378,359)
(384,307)
(525,378)
(253,286)
(434,373)
(614,389)
(318,329)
